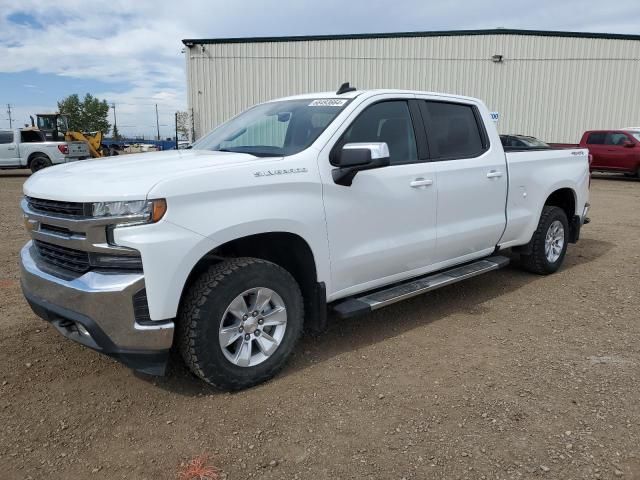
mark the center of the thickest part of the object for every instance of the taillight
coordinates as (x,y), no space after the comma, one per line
(64,149)
(590,160)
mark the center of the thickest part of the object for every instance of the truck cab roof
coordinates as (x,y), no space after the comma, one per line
(370,93)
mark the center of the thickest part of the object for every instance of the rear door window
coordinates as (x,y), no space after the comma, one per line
(596,138)
(31,136)
(6,136)
(453,130)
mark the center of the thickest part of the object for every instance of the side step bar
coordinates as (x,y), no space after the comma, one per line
(381,298)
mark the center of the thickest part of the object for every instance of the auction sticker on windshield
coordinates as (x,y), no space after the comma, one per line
(328,102)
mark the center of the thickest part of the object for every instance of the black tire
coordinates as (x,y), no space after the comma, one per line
(201,314)
(537,261)
(39,162)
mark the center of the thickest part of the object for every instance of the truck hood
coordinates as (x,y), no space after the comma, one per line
(125,176)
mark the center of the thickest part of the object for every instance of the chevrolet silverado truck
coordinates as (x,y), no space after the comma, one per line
(28,148)
(340,202)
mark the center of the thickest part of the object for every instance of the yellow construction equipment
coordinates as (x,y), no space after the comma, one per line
(55,126)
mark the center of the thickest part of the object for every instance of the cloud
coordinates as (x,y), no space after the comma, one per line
(139,43)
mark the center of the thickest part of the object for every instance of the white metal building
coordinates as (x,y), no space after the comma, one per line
(552,85)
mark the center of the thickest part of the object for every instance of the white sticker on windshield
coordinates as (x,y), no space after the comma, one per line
(328,102)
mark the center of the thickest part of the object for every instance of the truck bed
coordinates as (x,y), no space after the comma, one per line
(529,186)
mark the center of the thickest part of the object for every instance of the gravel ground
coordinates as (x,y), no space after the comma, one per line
(508,375)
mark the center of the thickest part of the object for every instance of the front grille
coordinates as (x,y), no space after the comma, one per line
(73,209)
(67,258)
(141,307)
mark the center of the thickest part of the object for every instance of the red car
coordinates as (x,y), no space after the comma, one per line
(614,150)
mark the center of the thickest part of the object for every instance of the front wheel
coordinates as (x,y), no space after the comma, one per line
(239,322)
(549,242)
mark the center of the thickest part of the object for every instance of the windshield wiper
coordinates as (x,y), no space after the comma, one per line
(255,154)
(233,151)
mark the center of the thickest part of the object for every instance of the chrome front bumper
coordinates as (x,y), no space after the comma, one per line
(96,309)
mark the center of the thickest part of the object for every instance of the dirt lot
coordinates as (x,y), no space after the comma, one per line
(509,375)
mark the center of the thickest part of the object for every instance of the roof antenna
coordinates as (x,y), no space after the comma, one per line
(344,88)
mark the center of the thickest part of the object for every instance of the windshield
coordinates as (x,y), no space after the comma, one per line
(532,142)
(635,134)
(274,129)
(46,123)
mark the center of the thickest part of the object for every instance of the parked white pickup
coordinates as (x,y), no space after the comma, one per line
(345,201)
(28,148)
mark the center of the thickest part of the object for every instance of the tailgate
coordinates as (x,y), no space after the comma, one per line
(78,149)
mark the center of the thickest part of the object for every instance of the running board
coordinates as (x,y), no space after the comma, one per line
(381,298)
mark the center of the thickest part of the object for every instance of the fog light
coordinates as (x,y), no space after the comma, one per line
(83,331)
(100,260)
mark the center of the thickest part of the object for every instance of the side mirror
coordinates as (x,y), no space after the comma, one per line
(355,157)
(629,144)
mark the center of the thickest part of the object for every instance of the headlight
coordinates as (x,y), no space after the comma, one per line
(121,209)
(141,211)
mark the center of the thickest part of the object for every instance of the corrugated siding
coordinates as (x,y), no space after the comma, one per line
(551,87)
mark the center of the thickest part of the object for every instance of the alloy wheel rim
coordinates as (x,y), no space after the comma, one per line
(252,327)
(554,241)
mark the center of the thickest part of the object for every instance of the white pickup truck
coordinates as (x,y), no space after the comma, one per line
(343,202)
(28,148)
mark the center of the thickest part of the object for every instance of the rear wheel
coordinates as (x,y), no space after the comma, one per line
(39,162)
(239,322)
(549,242)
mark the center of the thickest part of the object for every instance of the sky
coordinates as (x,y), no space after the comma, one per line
(130,52)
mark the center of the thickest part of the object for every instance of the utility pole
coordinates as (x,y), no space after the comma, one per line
(9,113)
(157,123)
(193,127)
(115,120)
(176,119)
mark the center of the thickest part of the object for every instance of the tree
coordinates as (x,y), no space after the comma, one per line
(116,133)
(88,115)
(183,124)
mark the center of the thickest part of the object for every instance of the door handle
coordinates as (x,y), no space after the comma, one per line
(11,148)
(494,174)
(421,182)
